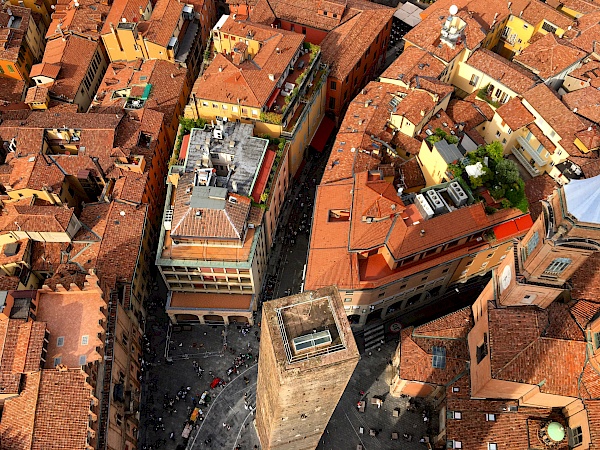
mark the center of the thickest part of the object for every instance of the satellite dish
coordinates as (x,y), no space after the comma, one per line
(453,10)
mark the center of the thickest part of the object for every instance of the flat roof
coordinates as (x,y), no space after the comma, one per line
(189,300)
(309,329)
(237,140)
(409,14)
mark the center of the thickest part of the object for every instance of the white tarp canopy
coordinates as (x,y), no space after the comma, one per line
(583,199)
(475,170)
(409,14)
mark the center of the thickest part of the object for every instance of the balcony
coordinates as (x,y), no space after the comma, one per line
(531,152)
(134,163)
(533,171)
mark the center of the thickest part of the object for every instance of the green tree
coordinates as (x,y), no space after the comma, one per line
(495,151)
(507,172)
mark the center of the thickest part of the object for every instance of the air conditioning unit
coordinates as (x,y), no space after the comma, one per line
(457,194)
(423,206)
(168,219)
(435,201)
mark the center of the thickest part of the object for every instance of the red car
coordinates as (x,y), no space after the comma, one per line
(215,382)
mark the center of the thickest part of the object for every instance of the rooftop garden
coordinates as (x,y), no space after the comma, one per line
(492,178)
(485,95)
(278,145)
(440,134)
(185,127)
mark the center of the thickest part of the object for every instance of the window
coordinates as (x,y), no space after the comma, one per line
(333,85)
(492,446)
(215,106)
(204,103)
(509,131)
(531,245)
(84,340)
(118,419)
(381,294)
(82,360)
(57,361)
(255,112)
(347,299)
(60,341)
(575,436)
(596,340)
(557,266)
(453,444)
(331,103)
(490,417)
(224,106)
(10,68)
(456,415)
(497,134)
(455,389)
(439,357)
(549,27)
(474,80)
(482,350)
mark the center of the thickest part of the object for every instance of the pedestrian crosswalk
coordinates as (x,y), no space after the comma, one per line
(374,336)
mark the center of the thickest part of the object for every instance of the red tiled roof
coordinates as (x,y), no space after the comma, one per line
(537,189)
(249,83)
(585,102)
(515,114)
(549,56)
(163,21)
(413,62)
(508,73)
(564,122)
(125,226)
(518,337)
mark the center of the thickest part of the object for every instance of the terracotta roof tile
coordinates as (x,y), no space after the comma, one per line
(128,9)
(515,114)
(586,103)
(413,62)
(535,11)
(11,92)
(461,111)
(345,45)
(121,241)
(74,55)
(586,280)
(564,122)
(509,74)
(536,190)
(163,21)
(85,20)
(14,37)
(250,81)
(36,218)
(549,56)
(590,165)
(585,34)
(517,338)
(59,392)
(18,415)
(412,174)
(589,72)
(416,349)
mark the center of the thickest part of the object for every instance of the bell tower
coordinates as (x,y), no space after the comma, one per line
(564,236)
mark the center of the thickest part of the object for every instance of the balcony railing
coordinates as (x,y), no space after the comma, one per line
(530,150)
(534,172)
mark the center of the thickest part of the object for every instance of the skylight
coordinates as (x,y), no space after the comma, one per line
(439,358)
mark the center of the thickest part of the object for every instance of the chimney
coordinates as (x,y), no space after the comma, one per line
(271,77)
(220,68)
(422,233)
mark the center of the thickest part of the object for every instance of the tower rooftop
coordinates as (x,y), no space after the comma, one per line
(582,198)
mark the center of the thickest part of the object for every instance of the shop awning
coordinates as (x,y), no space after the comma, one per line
(263,175)
(322,134)
(273,97)
(514,227)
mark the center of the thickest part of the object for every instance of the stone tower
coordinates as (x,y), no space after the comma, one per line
(564,236)
(307,355)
